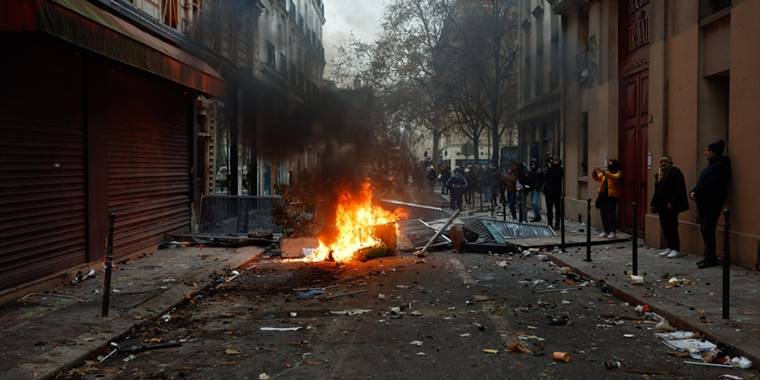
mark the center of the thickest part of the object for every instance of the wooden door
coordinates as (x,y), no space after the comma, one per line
(633,148)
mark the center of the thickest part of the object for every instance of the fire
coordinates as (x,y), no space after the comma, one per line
(355,220)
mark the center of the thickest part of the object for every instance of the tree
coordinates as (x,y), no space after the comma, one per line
(480,48)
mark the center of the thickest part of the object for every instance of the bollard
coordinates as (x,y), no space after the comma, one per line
(562,222)
(588,230)
(726,267)
(634,239)
(109,266)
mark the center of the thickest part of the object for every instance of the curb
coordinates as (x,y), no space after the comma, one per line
(187,297)
(674,320)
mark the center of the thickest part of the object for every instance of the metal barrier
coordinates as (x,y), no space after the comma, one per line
(235,215)
(416,211)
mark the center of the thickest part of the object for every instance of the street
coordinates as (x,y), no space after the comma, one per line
(450,311)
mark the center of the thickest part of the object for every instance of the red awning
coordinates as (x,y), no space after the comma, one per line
(90,27)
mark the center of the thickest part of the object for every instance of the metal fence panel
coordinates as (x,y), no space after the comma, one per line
(416,211)
(236,215)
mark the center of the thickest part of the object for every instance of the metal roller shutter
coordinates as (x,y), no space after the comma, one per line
(42,163)
(148,134)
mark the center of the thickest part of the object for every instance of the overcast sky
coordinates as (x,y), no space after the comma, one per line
(344,16)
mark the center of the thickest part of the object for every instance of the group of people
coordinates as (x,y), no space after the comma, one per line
(670,198)
(514,186)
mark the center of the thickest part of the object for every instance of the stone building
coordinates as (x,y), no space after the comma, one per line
(645,78)
(539,113)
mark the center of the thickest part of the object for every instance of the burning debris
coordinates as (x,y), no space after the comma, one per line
(362,230)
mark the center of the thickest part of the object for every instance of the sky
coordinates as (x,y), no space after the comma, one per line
(362,17)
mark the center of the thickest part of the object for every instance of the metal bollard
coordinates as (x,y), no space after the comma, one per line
(588,230)
(109,266)
(634,239)
(562,222)
(726,267)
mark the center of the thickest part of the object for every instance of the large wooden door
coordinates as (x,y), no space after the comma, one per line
(633,147)
(634,110)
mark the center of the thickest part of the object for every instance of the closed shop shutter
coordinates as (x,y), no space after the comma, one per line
(42,162)
(148,137)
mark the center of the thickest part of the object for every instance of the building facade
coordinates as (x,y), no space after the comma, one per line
(643,79)
(539,111)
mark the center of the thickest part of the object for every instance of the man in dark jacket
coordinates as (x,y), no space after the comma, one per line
(458,186)
(553,190)
(710,194)
(668,201)
(524,188)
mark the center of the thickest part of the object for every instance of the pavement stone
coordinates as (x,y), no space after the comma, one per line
(46,333)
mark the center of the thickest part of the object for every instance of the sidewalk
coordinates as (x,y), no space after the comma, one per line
(694,306)
(45,333)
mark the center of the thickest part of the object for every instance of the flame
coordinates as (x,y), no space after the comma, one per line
(355,219)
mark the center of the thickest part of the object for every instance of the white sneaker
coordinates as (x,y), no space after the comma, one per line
(665,252)
(603,235)
(674,254)
(611,235)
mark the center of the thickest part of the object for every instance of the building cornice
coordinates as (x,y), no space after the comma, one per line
(561,6)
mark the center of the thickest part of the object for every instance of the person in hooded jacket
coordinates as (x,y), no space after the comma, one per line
(710,194)
(668,201)
(458,186)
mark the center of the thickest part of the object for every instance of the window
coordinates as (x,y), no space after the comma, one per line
(584,144)
(283,65)
(709,7)
(170,13)
(271,51)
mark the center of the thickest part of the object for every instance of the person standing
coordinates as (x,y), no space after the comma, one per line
(469,175)
(608,196)
(536,183)
(710,194)
(524,187)
(510,186)
(458,185)
(431,177)
(553,191)
(668,201)
(445,177)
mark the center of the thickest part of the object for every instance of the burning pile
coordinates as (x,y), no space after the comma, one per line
(358,223)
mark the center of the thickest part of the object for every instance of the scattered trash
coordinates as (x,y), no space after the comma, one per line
(298,328)
(676,282)
(642,309)
(311,293)
(115,350)
(663,325)
(82,277)
(416,313)
(149,347)
(530,337)
(381,296)
(558,321)
(502,263)
(465,335)
(416,343)
(676,335)
(421,354)
(264,376)
(561,357)
(166,317)
(490,351)
(351,312)
(231,351)
(566,302)
(612,364)
(481,298)
(707,364)
(637,280)
(293,314)
(516,346)
(629,336)
(733,377)
(741,362)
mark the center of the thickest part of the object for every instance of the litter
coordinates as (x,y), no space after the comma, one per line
(613,364)
(707,364)
(530,337)
(293,314)
(81,276)
(676,282)
(465,335)
(298,328)
(637,280)
(231,351)
(561,357)
(311,293)
(351,312)
(148,347)
(629,336)
(741,362)
(517,346)
(264,376)
(417,343)
(732,377)
(690,345)
(490,351)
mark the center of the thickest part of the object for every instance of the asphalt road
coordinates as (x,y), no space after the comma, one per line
(451,308)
